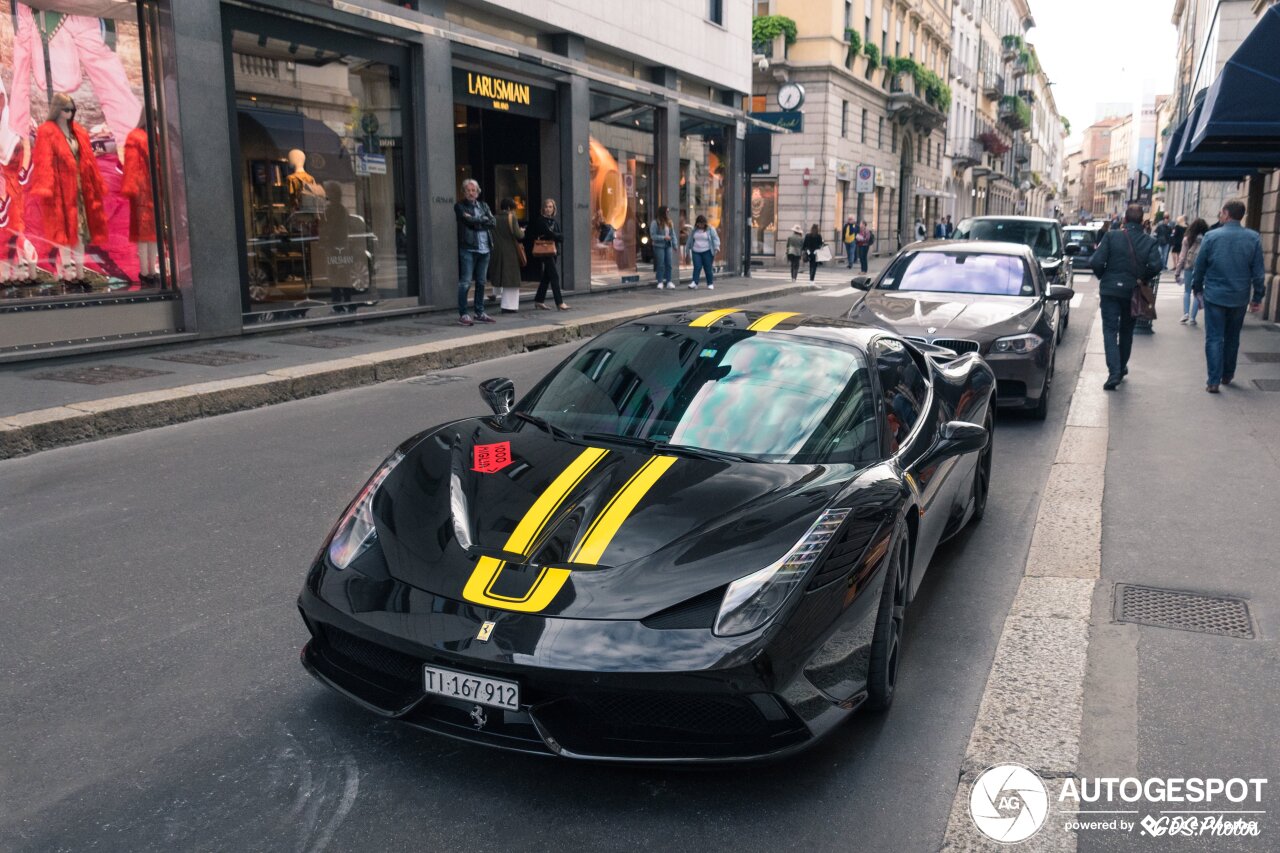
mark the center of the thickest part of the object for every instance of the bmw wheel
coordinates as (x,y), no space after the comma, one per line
(982,474)
(1041,409)
(886,642)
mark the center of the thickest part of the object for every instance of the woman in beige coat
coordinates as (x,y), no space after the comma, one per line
(504,265)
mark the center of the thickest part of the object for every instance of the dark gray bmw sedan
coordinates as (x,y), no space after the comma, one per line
(974,296)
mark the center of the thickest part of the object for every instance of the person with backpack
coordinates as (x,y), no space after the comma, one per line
(1124,257)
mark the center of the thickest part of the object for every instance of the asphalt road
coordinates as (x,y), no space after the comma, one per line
(154,701)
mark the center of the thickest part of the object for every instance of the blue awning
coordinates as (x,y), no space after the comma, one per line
(1242,109)
(1181,165)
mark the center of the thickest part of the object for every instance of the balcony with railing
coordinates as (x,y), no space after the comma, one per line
(992,84)
(961,72)
(1014,112)
(909,103)
(967,152)
(1021,151)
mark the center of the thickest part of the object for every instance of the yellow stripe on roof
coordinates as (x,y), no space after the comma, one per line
(768,321)
(712,316)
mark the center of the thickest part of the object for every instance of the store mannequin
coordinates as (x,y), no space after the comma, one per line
(65,179)
(305,195)
(15,155)
(136,186)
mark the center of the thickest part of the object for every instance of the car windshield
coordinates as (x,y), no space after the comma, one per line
(960,272)
(1042,237)
(1083,236)
(768,396)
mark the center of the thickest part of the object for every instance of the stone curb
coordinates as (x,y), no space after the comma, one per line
(45,429)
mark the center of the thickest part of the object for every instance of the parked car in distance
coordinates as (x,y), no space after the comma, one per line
(1084,236)
(976,296)
(1042,235)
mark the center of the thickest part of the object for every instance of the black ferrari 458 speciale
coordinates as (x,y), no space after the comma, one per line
(694,540)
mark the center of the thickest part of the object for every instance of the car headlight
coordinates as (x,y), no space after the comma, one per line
(355,532)
(751,601)
(1017,343)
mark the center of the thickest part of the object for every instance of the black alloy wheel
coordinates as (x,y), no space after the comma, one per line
(1041,410)
(886,642)
(982,473)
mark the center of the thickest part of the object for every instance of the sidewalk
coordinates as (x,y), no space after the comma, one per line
(47,404)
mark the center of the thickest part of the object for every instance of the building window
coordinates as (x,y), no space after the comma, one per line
(705,148)
(762,8)
(844,119)
(884,33)
(89,220)
(325,201)
(863,135)
(764,217)
(759,103)
(715,11)
(894,147)
(880,132)
(848,14)
(622,176)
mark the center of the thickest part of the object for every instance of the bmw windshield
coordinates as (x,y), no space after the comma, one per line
(960,272)
(770,397)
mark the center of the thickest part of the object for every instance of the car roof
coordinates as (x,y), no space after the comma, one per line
(1011,219)
(817,328)
(973,247)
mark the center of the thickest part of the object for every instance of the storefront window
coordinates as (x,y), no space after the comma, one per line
(78,189)
(704,169)
(622,174)
(322,157)
(764,217)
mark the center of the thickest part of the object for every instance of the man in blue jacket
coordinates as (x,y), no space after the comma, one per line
(1228,272)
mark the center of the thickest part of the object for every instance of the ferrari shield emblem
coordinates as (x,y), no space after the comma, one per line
(491,458)
(485,630)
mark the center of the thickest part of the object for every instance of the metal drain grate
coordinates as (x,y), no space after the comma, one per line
(1267,384)
(322,341)
(395,331)
(211,357)
(1263,357)
(102,374)
(1183,611)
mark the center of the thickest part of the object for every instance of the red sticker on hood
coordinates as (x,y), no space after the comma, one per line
(491,458)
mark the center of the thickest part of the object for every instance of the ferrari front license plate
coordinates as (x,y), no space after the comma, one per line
(472,688)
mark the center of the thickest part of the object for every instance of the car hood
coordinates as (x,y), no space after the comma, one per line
(639,532)
(908,312)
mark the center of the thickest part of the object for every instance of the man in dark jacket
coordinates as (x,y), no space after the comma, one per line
(1229,272)
(475,243)
(1124,256)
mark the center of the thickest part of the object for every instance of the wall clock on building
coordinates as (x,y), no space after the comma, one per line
(791,96)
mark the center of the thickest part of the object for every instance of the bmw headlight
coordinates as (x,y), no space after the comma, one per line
(1017,344)
(354,531)
(751,601)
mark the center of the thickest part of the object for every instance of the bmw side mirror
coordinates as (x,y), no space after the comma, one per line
(1060,293)
(861,282)
(1072,249)
(500,394)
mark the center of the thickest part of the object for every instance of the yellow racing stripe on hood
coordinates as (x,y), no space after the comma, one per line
(711,317)
(768,321)
(618,510)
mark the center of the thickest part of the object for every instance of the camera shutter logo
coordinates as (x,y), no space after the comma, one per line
(1009,803)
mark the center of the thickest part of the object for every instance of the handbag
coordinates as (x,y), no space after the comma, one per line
(1142,302)
(823,255)
(544,247)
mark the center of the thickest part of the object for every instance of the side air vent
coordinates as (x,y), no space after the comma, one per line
(845,552)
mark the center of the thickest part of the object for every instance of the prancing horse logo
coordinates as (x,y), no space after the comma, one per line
(478,717)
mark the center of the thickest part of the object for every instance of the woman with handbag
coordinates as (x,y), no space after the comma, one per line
(702,246)
(1191,302)
(812,243)
(663,236)
(508,256)
(547,240)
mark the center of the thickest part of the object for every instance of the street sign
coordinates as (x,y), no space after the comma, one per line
(806,177)
(788,120)
(866,179)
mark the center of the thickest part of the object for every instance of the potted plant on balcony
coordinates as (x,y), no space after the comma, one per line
(766,29)
(873,58)
(1011,44)
(854,42)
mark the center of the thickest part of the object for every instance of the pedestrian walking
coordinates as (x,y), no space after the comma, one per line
(849,234)
(505,260)
(1229,273)
(662,234)
(795,248)
(949,229)
(921,233)
(1191,302)
(475,245)
(812,243)
(702,246)
(1176,238)
(1164,239)
(546,230)
(865,239)
(1124,257)
(940,230)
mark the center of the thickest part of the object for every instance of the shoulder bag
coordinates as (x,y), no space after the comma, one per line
(515,228)
(1142,304)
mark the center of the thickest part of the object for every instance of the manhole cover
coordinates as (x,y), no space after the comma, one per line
(1267,384)
(1263,357)
(395,331)
(322,341)
(101,374)
(1183,611)
(434,379)
(212,357)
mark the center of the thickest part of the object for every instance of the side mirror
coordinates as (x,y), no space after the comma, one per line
(1060,293)
(861,282)
(957,438)
(1072,248)
(500,394)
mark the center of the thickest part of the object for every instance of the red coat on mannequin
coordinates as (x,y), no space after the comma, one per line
(136,186)
(53,182)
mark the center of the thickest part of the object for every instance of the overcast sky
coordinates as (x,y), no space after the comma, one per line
(1103,51)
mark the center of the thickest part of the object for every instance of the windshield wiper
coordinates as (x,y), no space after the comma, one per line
(666,447)
(543,424)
